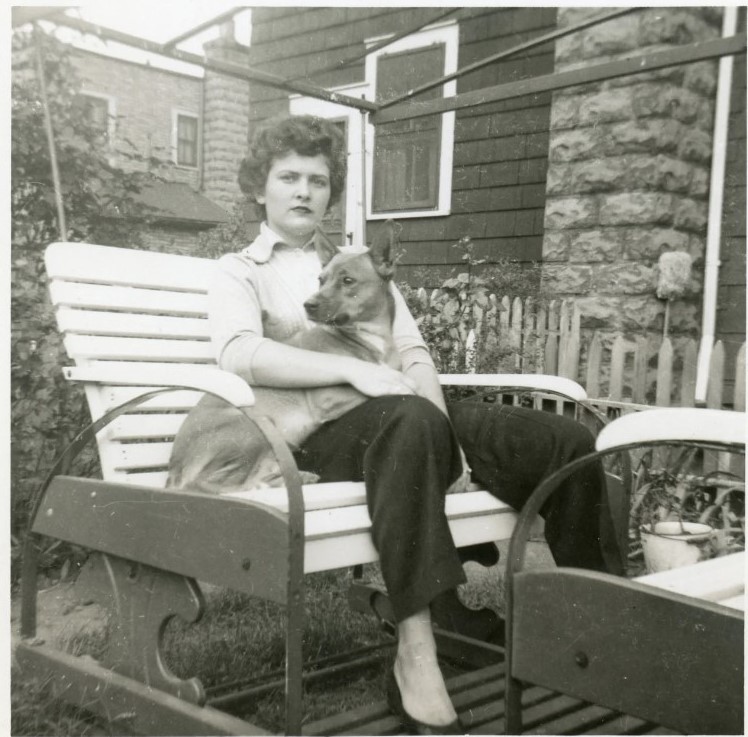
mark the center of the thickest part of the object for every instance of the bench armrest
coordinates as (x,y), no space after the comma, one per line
(537,382)
(717,426)
(224,384)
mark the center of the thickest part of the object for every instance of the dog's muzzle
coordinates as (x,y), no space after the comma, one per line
(315,313)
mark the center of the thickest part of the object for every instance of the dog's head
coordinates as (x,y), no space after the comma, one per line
(354,284)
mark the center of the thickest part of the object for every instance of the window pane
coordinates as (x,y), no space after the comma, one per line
(406,170)
(96,112)
(407,153)
(186,140)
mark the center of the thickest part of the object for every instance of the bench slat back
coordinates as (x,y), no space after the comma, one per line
(126,305)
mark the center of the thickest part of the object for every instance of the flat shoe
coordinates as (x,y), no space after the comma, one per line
(395,702)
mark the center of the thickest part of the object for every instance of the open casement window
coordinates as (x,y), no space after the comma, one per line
(410,161)
(406,154)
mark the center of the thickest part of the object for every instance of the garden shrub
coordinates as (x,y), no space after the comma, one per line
(47,411)
(470,301)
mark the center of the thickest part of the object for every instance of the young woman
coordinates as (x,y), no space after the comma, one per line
(403,442)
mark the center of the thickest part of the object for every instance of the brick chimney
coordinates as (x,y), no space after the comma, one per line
(225,120)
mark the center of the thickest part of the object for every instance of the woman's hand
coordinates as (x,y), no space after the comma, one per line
(463,483)
(377,380)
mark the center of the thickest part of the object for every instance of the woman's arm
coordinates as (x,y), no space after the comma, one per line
(416,358)
(277,364)
(427,383)
(242,347)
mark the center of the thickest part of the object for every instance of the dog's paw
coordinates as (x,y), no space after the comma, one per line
(306,478)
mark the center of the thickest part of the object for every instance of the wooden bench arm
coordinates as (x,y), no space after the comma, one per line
(236,391)
(229,387)
(536,382)
(223,384)
(676,424)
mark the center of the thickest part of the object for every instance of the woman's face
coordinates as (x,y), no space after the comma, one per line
(297,192)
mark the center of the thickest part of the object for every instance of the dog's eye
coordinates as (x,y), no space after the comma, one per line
(347,280)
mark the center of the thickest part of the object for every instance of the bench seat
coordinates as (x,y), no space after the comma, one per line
(721,580)
(337,519)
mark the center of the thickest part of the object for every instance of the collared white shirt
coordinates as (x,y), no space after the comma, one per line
(258,294)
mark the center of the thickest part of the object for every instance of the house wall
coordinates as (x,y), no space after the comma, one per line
(731,295)
(145,98)
(500,151)
(629,172)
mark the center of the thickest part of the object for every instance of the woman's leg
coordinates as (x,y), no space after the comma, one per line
(512,449)
(405,451)
(417,674)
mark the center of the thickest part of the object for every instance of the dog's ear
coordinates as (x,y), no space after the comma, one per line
(382,249)
(324,247)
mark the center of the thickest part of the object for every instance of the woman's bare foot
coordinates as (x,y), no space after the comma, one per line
(417,673)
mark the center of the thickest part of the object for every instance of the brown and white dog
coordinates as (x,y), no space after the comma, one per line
(218,451)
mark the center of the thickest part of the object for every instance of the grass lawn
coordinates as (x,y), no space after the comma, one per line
(242,637)
(239,637)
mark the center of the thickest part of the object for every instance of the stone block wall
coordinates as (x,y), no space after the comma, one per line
(628,174)
(225,121)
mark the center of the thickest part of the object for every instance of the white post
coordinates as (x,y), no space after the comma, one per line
(716,195)
(363,176)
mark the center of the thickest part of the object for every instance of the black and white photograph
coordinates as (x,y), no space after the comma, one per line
(376,369)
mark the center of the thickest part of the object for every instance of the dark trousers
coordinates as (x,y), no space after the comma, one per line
(407,453)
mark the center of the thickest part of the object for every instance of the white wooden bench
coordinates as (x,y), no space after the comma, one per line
(135,321)
(134,324)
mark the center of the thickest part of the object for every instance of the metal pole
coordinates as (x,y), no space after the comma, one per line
(50,137)
(239,71)
(526,46)
(203,26)
(376,47)
(685,54)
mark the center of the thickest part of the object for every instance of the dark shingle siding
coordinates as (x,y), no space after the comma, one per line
(500,155)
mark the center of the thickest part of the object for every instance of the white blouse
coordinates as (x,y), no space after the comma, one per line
(258,294)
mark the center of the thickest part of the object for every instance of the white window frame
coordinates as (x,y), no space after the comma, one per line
(111,103)
(175,113)
(448,34)
(302,105)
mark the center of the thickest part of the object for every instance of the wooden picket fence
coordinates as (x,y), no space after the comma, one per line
(617,372)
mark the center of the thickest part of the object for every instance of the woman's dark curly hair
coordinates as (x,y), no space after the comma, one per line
(306,135)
